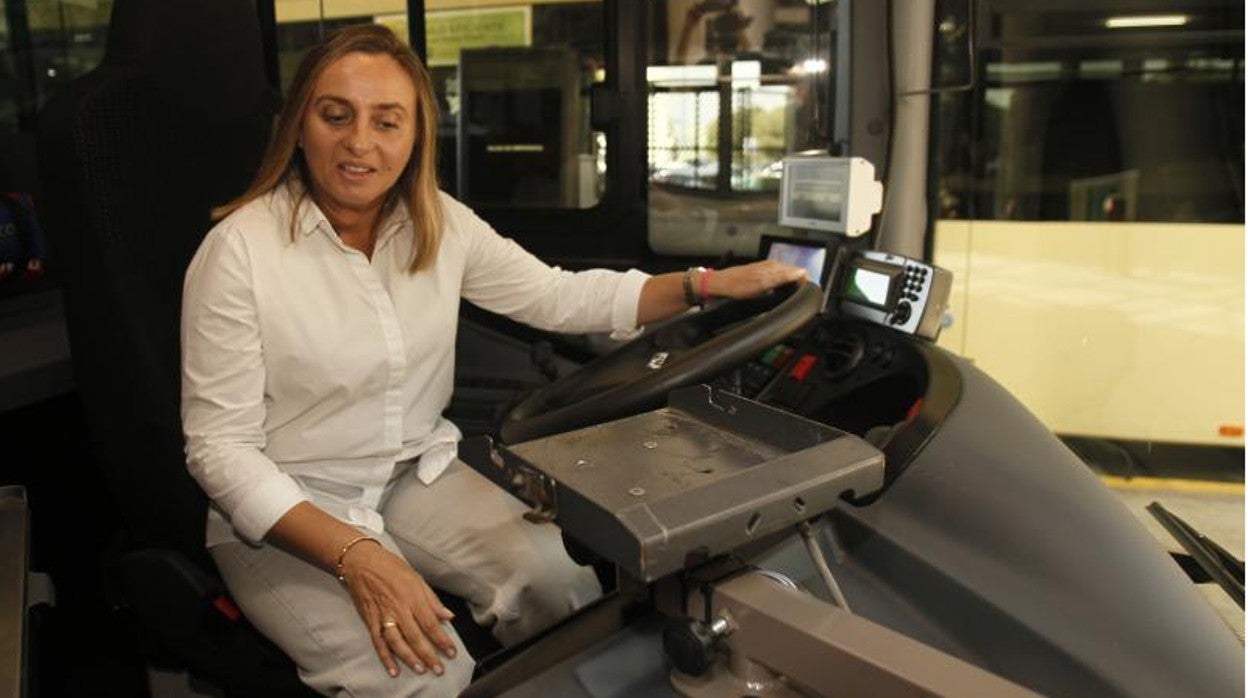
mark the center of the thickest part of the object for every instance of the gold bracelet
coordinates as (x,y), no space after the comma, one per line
(343,553)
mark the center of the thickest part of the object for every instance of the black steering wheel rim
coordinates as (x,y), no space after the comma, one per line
(628,380)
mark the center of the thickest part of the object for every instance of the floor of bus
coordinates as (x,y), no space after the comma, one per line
(92,652)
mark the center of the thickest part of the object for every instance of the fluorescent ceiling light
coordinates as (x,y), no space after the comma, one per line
(1136,21)
(682,75)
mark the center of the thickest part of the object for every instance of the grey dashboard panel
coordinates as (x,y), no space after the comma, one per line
(674,486)
(1003,543)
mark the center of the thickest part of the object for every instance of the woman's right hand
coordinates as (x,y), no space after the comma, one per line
(404,616)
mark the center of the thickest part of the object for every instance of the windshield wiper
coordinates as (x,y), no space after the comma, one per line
(1221,566)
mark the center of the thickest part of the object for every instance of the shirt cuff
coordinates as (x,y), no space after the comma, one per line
(627,296)
(256,513)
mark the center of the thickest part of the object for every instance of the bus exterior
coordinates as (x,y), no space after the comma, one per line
(1089,200)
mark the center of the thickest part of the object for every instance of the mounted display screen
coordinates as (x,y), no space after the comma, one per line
(813,195)
(808,254)
(829,194)
(870,287)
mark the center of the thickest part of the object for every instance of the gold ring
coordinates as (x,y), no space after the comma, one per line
(388,623)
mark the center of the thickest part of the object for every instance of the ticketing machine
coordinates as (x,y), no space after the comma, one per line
(834,198)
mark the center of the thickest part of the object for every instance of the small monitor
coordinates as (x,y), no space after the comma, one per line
(829,194)
(811,255)
(872,284)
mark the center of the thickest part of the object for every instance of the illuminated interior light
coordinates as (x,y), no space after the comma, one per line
(1145,21)
(812,66)
(682,75)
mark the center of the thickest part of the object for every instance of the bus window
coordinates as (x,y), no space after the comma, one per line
(44,45)
(732,87)
(1090,203)
(513,82)
(300,25)
(515,79)
(1072,120)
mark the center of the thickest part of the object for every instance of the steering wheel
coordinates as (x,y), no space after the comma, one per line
(639,375)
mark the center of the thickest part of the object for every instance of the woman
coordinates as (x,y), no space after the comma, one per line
(318,337)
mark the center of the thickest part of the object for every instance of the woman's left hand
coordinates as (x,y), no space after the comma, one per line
(754,279)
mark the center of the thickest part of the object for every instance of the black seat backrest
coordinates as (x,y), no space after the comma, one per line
(133,156)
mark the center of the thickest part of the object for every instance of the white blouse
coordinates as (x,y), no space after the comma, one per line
(309,371)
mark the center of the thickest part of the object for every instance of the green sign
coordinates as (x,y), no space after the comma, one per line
(448,32)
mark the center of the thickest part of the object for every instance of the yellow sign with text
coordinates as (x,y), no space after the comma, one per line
(449,32)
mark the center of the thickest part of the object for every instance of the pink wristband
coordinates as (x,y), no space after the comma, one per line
(702,285)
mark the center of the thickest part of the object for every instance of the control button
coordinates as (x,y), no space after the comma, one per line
(769,357)
(802,367)
(781,360)
(901,314)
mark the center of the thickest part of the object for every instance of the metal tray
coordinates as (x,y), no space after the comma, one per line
(667,489)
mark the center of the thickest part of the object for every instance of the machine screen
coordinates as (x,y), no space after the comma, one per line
(869,287)
(813,194)
(812,257)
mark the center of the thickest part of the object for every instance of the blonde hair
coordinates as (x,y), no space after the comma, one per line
(283,159)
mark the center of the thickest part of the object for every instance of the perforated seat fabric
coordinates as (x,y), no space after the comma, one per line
(127,203)
(132,157)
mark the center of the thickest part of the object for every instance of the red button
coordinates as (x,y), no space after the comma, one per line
(227,608)
(803,366)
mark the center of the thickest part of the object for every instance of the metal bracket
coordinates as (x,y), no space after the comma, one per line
(513,475)
(540,492)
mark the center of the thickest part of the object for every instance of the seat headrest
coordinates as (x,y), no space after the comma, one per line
(205,56)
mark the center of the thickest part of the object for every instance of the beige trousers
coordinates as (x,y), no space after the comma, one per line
(464,535)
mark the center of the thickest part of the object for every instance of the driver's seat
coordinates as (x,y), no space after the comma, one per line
(132,156)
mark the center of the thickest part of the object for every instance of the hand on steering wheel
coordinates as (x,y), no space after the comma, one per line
(687,350)
(754,279)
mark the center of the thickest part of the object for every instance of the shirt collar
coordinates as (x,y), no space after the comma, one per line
(311,218)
